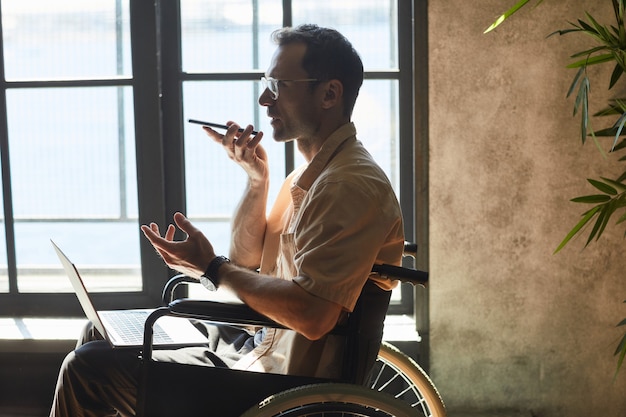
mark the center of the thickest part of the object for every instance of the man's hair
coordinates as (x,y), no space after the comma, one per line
(329,56)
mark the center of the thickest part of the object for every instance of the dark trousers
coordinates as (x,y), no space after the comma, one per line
(96,380)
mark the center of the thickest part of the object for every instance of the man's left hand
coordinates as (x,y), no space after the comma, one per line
(190,256)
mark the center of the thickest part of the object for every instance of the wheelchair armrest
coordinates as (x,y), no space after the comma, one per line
(412,276)
(213,311)
(170,286)
(220,312)
(390,271)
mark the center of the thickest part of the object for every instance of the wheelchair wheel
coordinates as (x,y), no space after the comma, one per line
(397,374)
(331,399)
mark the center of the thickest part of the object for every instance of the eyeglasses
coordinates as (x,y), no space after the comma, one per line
(272,84)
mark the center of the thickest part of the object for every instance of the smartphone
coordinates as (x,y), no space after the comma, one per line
(216,125)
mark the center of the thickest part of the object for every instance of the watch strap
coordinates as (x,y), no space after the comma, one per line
(211,272)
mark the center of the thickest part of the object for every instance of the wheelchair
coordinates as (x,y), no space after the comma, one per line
(376,380)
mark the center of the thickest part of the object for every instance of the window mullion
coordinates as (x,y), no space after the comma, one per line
(7,196)
(287,13)
(148,137)
(172,107)
(119,62)
(290,157)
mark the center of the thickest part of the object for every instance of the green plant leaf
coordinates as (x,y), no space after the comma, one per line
(605,188)
(581,96)
(602,31)
(615,76)
(587,27)
(577,228)
(621,351)
(507,14)
(582,103)
(618,10)
(620,125)
(580,73)
(565,31)
(607,111)
(598,226)
(616,106)
(611,131)
(609,210)
(620,145)
(592,199)
(621,187)
(589,51)
(594,60)
(597,143)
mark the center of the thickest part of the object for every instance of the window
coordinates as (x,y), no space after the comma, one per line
(68,149)
(93,106)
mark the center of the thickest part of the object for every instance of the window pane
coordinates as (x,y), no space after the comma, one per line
(46,39)
(106,254)
(371,26)
(214,183)
(74,181)
(377,123)
(4,275)
(376,118)
(228,36)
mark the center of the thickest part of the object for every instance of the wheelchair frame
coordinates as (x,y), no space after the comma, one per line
(245,389)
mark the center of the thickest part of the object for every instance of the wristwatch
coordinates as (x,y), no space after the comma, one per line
(209,279)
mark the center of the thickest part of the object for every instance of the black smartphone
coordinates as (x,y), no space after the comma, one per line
(216,125)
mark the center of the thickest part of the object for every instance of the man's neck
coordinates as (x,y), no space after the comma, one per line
(309,147)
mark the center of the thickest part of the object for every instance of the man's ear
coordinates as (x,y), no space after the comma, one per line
(333,94)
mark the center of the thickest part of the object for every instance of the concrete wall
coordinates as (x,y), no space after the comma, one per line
(512,325)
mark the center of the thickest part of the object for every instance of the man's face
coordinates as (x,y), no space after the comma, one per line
(296,112)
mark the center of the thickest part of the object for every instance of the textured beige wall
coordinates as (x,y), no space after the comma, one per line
(512,325)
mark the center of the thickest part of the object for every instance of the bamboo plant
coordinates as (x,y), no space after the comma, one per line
(609,197)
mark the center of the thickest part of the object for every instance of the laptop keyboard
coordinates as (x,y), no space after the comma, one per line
(129,327)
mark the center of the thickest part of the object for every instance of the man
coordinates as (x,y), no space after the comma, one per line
(332,220)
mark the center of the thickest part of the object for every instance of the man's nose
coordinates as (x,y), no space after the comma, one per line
(266,99)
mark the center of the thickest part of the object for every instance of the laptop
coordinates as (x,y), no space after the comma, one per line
(124,328)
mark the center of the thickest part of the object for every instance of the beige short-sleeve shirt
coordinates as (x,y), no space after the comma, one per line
(332,220)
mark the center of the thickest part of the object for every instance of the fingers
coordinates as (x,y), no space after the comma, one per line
(252,143)
(217,137)
(236,137)
(150,231)
(191,255)
(152,234)
(169,233)
(245,147)
(244,138)
(184,224)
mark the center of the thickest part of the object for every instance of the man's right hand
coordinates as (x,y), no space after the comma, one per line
(244,149)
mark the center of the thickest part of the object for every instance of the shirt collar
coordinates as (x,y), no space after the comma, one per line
(325,154)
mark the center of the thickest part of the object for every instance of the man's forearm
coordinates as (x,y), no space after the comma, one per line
(248,226)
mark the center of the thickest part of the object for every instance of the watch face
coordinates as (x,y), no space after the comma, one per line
(208,284)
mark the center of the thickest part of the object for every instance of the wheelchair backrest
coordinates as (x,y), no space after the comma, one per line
(364,333)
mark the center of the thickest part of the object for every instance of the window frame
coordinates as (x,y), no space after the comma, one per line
(155,33)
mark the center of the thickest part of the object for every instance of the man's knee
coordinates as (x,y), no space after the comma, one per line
(99,361)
